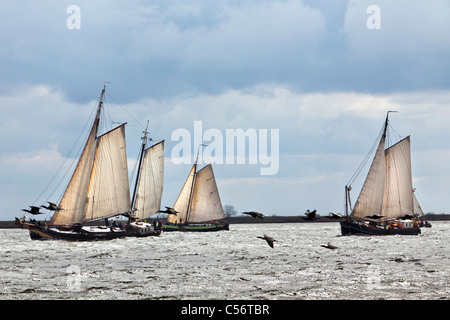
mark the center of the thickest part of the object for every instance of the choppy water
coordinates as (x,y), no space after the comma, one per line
(230,265)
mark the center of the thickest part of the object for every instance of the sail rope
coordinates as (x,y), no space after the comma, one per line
(364,162)
(70,156)
(392,133)
(126,111)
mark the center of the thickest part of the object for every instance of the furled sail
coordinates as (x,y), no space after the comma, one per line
(109,192)
(206,204)
(148,197)
(74,199)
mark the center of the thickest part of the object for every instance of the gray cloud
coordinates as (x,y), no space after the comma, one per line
(170,47)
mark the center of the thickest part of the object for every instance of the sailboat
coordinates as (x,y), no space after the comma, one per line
(99,189)
(386,204)
(146,200)
(198,206)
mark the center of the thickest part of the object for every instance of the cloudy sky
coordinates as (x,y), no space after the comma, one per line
(323,73)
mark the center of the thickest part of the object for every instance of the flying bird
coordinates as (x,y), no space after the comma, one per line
(34,210)
(310,215)
(269,240)
(255,214)
(169,210)
(329,246)
(51,206)
(334,215)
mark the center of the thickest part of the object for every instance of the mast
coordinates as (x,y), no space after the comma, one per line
(192,186)
(188,213)
(386,123)
(141,157)
(99,110)
(100,103)
(346,201)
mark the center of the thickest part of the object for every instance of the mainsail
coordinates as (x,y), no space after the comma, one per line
(398,191)
(370,200)
(199,199)
(109,191)
(151,178)
(387,190)
(206,204)
(74,199)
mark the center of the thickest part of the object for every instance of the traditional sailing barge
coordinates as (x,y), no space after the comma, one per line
(99,189)
(386,204)
(198,207)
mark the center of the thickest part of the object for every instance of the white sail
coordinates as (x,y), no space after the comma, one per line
(370,200)
(109,192)
(398,194)
(182,203)
(205,204)
(148,197)
(418,212)
(74,199)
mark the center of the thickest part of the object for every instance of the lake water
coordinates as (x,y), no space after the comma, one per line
(231,264)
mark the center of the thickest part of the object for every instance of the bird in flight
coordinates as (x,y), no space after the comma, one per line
(254,214)
(269,240)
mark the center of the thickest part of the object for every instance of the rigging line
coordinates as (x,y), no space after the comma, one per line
(78,153)
(108,115)
(361,166)
(66,159)
(393,133)
(124,109)
(389,137)
(103,125)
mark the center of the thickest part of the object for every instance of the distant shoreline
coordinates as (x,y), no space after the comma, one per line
(270,219)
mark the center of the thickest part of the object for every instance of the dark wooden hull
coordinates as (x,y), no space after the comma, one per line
(352,227)
(38,232)
(195,228)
